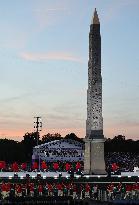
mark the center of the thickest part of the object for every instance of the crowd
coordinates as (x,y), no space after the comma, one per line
(115,163)
(104,192)
(123,191)
(63,143)
(61,153)
(60,149)
(121,161)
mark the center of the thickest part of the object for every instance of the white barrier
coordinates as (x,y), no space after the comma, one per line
(33,174)
(55,175)
(130,174)
(136,169)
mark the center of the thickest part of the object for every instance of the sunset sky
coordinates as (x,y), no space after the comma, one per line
(43,65)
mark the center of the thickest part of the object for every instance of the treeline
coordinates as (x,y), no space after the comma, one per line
(11,151)
(121,144)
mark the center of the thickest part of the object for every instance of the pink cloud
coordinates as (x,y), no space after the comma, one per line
(18,134)
(130,132)
(50,56)
(10,134)
(80,132)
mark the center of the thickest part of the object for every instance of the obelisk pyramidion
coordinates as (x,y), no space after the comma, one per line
(94,141)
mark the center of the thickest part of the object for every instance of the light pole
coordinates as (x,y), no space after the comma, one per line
(38,127)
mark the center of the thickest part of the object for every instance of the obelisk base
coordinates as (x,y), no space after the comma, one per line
(87,156)
(94,157)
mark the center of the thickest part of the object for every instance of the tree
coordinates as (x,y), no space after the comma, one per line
(119,138)
(72,136)
(50,137)
(120,144)
(30,141)
(11,151)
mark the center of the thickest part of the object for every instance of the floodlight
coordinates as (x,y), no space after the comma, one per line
(55,177)
(44,177)
(33,177)
(77,176)
(87,176)
(10,177)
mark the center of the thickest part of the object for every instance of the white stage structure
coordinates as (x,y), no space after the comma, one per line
(59,150)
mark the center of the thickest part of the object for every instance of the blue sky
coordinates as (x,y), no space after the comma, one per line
(43,65)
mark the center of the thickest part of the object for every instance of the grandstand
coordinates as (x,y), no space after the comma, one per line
(59,150)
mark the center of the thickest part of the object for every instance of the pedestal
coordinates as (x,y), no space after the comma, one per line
(94,156)
(87,156)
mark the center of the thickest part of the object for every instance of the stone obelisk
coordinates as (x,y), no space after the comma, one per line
(94,141)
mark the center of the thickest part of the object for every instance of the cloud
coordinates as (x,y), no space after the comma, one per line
(42,57)
(53,9)
(128,128)
(19,97)
(49,13)
(12,134)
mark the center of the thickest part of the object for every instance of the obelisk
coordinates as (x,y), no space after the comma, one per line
(94,141)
